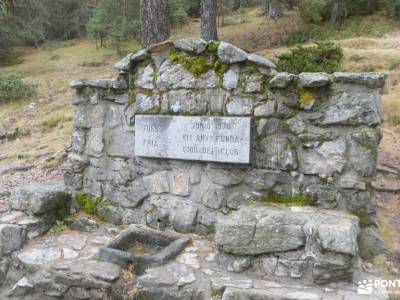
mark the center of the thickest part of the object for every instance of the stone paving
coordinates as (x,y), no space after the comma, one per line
(63,265)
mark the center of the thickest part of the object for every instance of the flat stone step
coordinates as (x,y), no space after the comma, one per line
(316,245)
(260,229)
(39,198)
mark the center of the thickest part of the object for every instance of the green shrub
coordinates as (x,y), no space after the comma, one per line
(324,57)
(12,87)
(314,11)
(10,58)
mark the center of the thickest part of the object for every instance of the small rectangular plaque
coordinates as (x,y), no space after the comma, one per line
(220,139)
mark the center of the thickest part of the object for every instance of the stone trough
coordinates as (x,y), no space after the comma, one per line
(143,247)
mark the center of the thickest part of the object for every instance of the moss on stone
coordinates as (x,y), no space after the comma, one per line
(154,111)
(85,92)
(366,140)
(306,97)
(246,70)
(195,64)
(198,64)
(220,68)
(363,217)
(213,46)
(132,96)
(295,200)
(87,203)
(154,76)
(101,202)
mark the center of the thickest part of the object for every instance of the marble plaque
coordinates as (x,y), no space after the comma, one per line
(220,139)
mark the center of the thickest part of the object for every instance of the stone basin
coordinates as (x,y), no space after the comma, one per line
(143,247)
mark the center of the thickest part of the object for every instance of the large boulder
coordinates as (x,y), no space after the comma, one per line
(352,105)
(39,198)
(255,230)
(259,229)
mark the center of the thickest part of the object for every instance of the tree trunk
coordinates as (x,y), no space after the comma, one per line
(338,12)
(209,11)
(155,21)
(273,9)
(221,13)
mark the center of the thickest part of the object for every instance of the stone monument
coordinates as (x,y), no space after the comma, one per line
(205,138)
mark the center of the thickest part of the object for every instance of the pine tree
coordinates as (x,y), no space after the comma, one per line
(338,12)
(209,11)
(155,21)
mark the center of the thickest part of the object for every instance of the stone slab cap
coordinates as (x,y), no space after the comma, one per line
(38,198)
(191,45)
(160,47)
(230,54)
(372,79)
(313,79)
(281,80)
(259,229)
(117,83)
(261,61)
(126,63)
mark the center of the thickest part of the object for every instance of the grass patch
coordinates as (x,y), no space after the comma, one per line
(55,119)
(391,110)
(92,64)
(353,27)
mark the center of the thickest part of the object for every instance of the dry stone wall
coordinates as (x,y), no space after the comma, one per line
(314,137)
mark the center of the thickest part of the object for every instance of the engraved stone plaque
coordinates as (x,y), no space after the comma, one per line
(219,139)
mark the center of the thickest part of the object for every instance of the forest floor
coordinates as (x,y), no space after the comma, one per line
(42,124)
